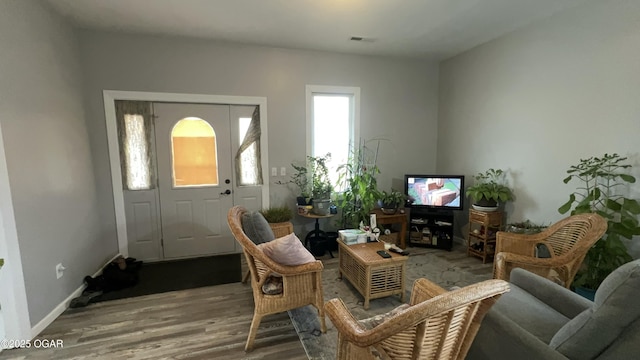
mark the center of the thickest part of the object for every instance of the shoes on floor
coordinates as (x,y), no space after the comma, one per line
(84,299)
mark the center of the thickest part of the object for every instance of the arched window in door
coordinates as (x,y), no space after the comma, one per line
(194,157)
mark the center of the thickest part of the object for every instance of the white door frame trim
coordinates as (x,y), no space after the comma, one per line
(110,96)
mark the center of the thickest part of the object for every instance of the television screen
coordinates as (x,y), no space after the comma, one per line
(435,191)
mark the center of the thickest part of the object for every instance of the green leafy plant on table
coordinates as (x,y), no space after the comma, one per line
(602,180)
(320,181)
(390,201)
(311,179)
(490,188)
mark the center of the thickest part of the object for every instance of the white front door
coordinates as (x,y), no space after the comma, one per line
(193,151)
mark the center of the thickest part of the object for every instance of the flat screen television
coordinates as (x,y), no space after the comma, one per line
(438,192)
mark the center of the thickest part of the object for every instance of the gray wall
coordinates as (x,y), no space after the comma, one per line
(399,97)
(540,99)
(48,154)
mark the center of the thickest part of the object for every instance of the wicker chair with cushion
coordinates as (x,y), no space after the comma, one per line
(438,324)
(556,253)
(300,285)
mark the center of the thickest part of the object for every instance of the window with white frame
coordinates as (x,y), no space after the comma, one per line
(333,121)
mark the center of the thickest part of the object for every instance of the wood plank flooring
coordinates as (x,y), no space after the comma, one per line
(203,323)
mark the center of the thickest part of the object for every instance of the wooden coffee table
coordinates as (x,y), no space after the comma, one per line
(373,276)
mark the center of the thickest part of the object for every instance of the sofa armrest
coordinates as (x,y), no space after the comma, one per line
(501,338)
(559,298)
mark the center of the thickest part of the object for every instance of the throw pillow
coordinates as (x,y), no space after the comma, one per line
(256,227)
(287,250)
(370,323)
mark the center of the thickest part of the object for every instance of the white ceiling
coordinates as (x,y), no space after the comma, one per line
(435,29)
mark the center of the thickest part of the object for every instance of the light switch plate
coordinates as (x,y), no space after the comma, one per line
(274,171)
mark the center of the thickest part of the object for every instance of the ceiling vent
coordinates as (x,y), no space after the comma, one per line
(361,39)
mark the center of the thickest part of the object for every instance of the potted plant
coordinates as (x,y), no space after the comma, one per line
(279,219)
(320,183)
(389,202)
(300,178)
(601,181)
(489,189)
(357,179)
(311,179)
(525,227)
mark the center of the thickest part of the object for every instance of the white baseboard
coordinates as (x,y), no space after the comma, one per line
(64,305)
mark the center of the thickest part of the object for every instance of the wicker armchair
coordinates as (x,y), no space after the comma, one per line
(567,242)
(302,284)
(439,324)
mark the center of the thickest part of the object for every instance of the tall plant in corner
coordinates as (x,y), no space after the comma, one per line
(357,180)
(602,180)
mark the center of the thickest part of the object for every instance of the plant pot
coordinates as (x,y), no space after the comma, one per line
(389,211)
(321,207)
(281,229)
(488,203)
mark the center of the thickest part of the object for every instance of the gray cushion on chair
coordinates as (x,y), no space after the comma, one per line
(256,227)
(590,333)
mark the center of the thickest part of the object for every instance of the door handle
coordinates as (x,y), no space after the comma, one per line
(227,192)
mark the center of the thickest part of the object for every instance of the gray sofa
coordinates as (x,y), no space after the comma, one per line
(539,319)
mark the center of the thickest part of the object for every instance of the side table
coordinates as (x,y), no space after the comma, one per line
(397,218)
(316,236)
(482,233)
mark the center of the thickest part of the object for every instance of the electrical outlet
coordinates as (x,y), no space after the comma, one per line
(59,271)
(283,171)
(274,171)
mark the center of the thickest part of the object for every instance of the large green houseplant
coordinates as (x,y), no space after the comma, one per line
(490,188)
(359,187)
(602,180)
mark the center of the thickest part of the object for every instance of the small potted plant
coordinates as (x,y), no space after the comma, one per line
(489,189)
(320,183)
(389,202)
(300,178)
(311,179)
(525,227)
(279,219)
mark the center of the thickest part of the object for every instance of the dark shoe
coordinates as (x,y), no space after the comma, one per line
(84,299)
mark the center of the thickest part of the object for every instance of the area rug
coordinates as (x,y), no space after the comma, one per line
(447,269)
(175,275)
